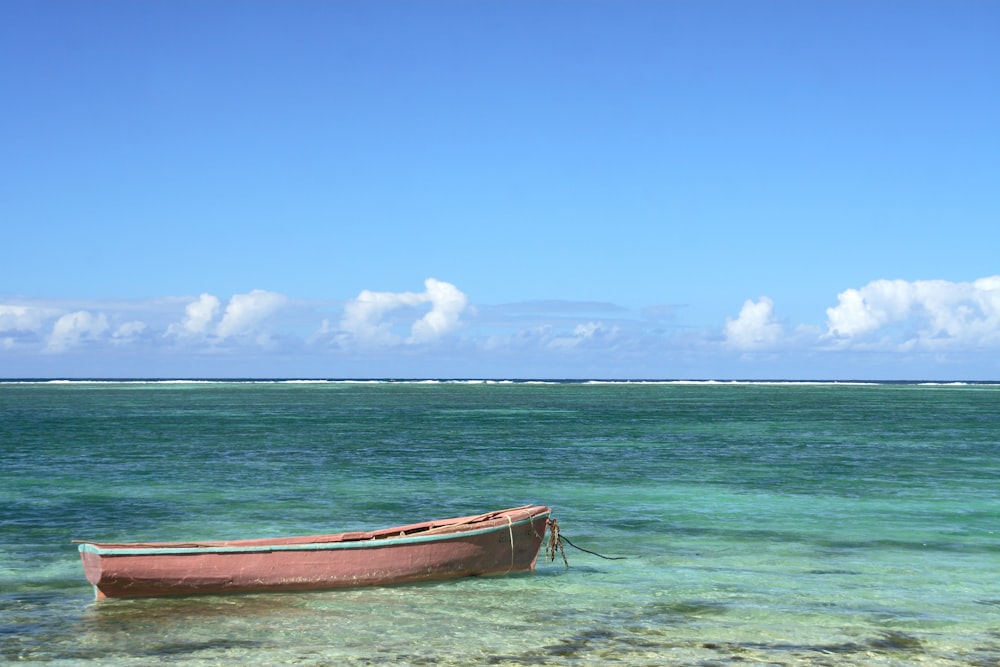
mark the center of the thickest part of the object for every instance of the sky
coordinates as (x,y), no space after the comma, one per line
(618,189)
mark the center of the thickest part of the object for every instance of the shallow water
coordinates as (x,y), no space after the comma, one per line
(759,523)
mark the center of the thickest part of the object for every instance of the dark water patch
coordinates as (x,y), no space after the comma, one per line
(133,654)
(579,644)
(886,642)
(184,647)
(689,609)
(516,660)
(608,643)
(844,648)
(984,656)
(407,659)
(896,641)
(643,638)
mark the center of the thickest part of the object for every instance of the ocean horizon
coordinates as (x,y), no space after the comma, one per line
(477,380)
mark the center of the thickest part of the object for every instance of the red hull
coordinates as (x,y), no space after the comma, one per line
(488,544)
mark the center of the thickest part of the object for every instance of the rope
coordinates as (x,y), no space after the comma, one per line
(556,538)
(593,553)
(510,529)
(555,542)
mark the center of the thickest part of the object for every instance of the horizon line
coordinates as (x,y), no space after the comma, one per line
(476,380)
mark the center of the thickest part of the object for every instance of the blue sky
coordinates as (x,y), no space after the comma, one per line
(676,189)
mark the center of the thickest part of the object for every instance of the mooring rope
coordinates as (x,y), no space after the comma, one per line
(555,542)
(556,539)
(593,553)
(510,529)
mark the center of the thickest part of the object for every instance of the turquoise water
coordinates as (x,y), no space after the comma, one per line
(778,524)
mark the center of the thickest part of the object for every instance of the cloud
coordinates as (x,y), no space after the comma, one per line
(128,332)
(447,304)
(23,318)
(72,329)
(933,324)
(927,314)
(246,312)
(583,335)
(367,318)
(243,315)
(197,317)
(755,328)
(364,317)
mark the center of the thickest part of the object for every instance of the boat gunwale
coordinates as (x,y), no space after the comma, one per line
(371,542)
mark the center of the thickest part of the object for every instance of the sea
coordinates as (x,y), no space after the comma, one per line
(705,523)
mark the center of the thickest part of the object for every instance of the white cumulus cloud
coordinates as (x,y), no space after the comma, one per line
(243,315)
(932,314)
(447,303)
(246,312)
(755,328)
(368,318)
(364,316)
(198,316)
(74,328)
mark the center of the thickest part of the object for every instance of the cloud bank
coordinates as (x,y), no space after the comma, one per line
(928,314)
(913,319)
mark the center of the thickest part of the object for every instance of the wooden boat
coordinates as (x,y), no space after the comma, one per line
(494,543)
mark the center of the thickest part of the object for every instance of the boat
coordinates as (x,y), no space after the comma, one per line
(494,543)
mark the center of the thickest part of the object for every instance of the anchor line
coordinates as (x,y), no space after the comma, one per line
(592,553)
(556,539)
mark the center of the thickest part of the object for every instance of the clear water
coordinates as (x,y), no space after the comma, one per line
(776,524)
